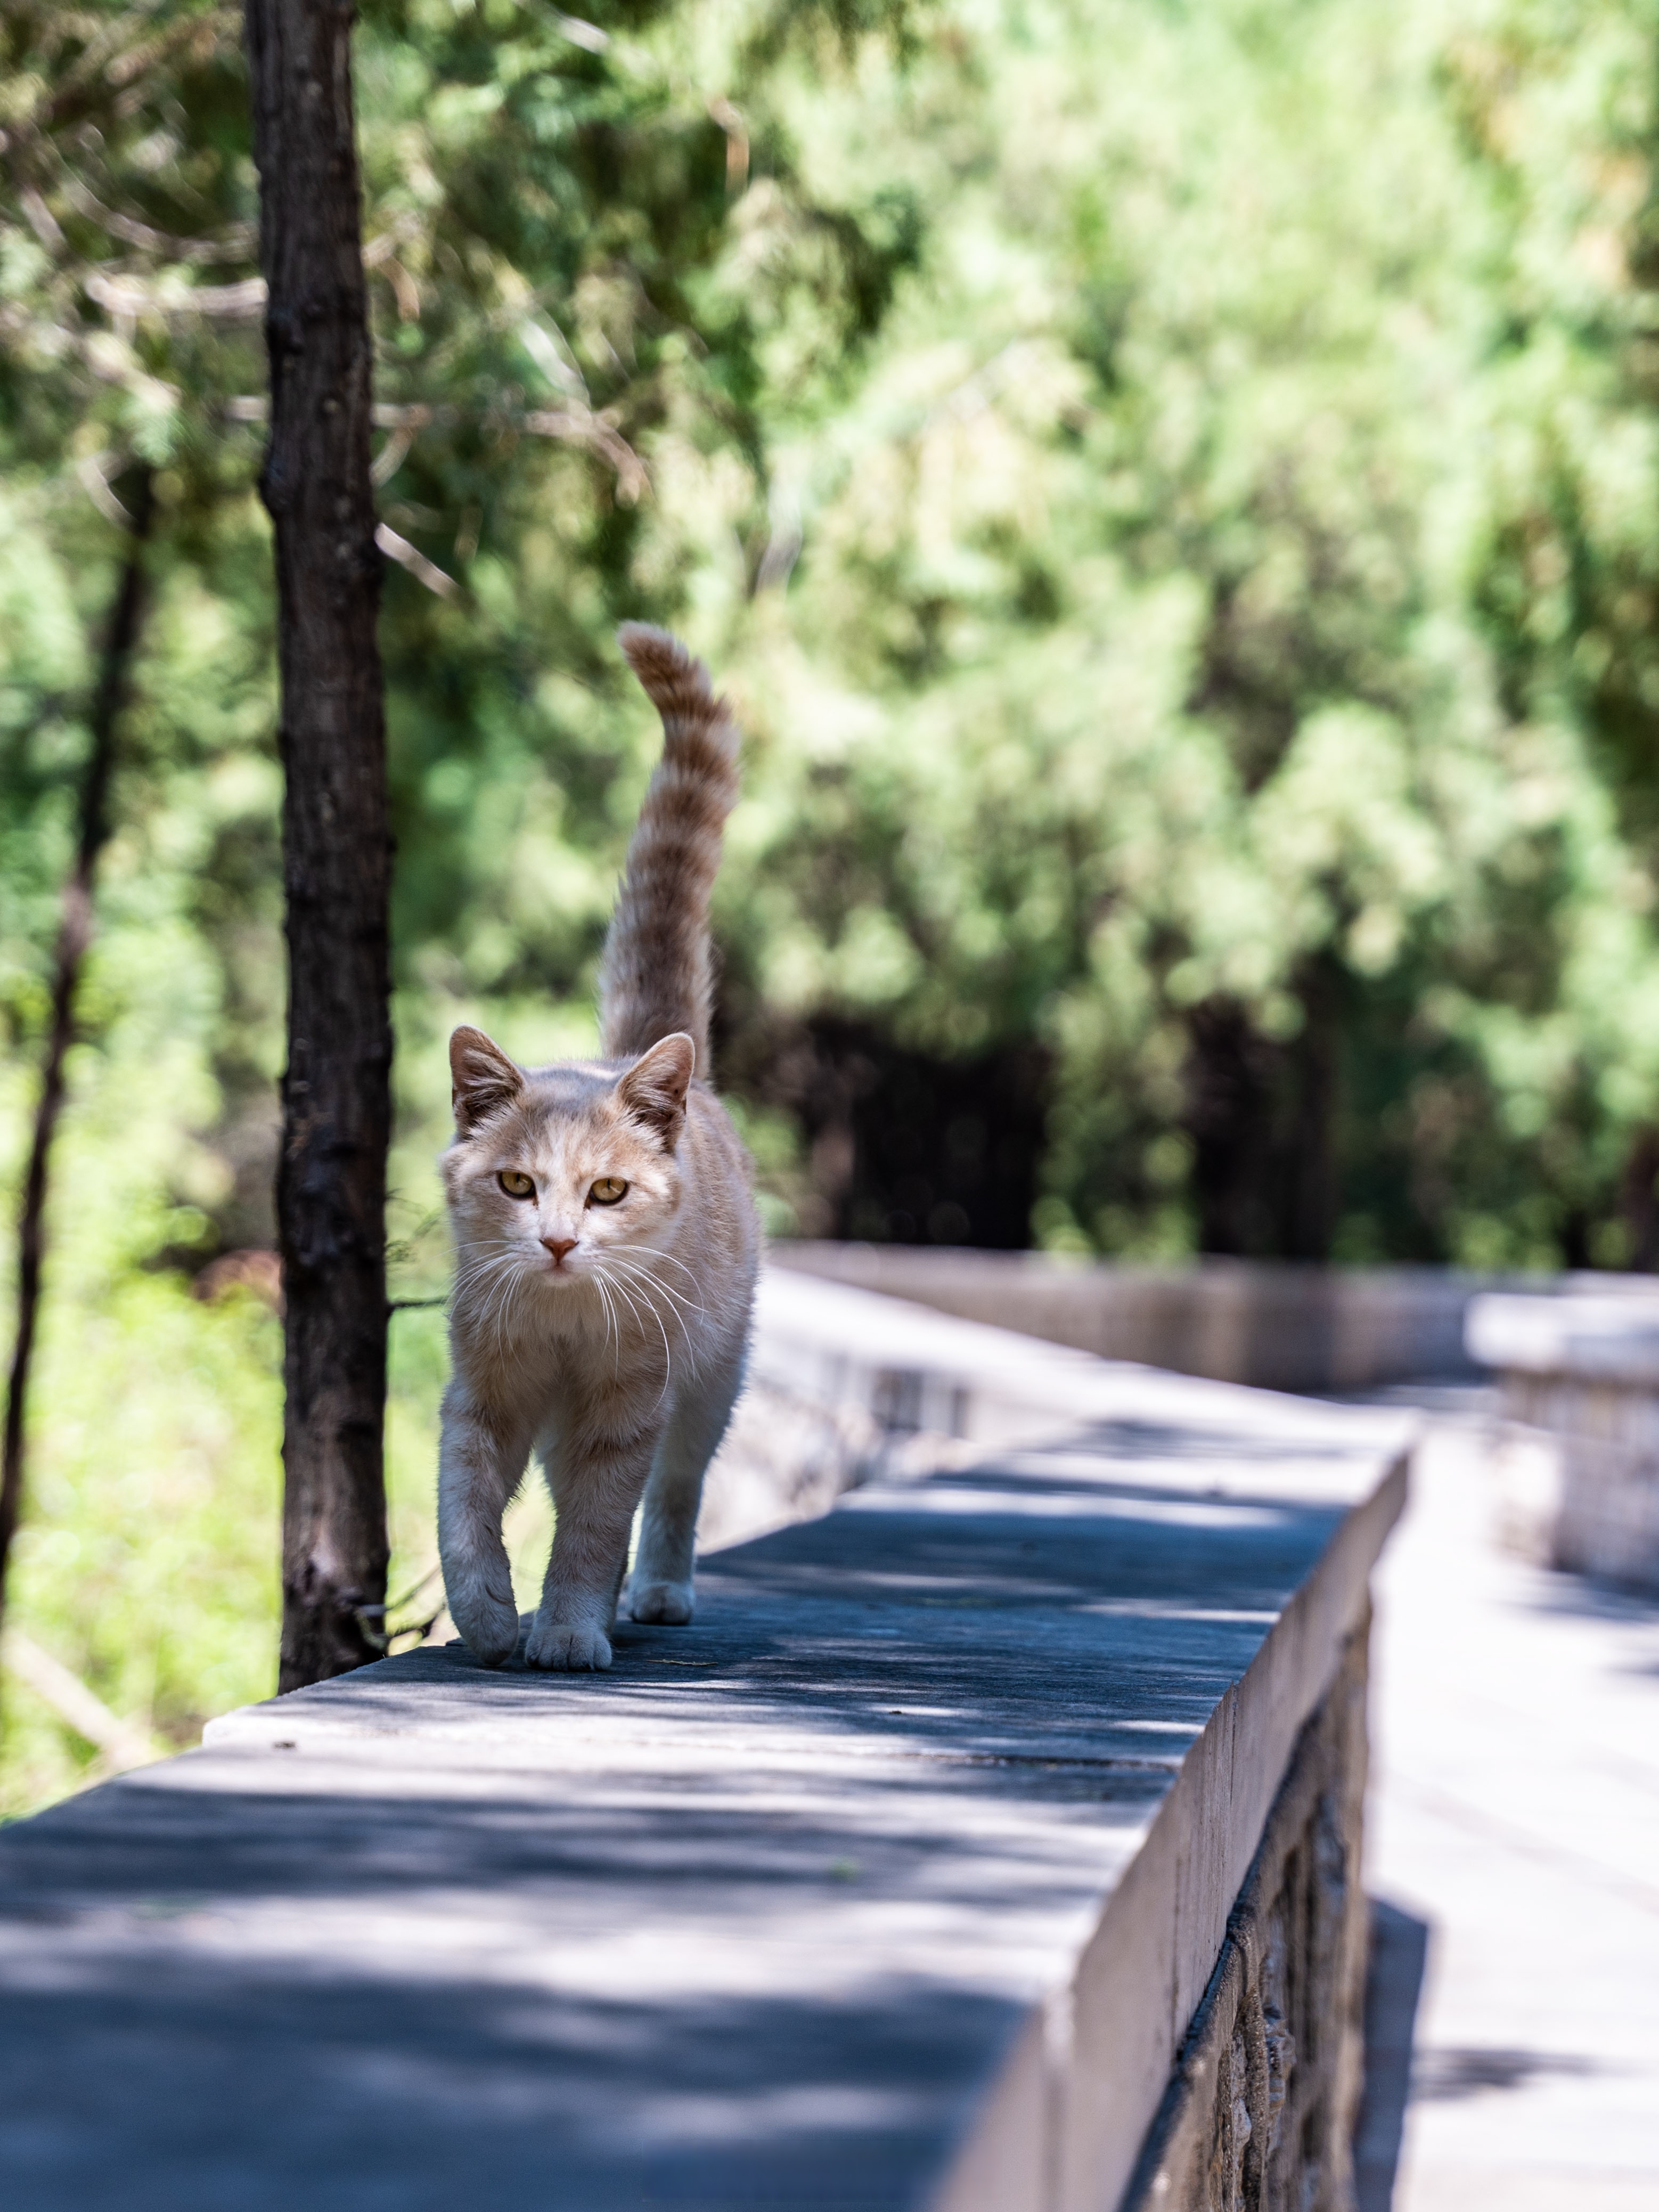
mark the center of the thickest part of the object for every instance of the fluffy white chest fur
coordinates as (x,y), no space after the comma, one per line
(605,1244)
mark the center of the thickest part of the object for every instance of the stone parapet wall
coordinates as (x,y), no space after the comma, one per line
(903,1877)
(1278,1327)
(1260,2109)
(1576,1450)
(1259,2113)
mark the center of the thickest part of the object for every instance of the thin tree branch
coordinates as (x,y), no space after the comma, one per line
(126,298)
(74,934)
(239,242)
(411,557)
(124,1745)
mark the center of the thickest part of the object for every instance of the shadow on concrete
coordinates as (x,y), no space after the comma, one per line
(1394,1985)
(1400,2072)
(1446,2075)
(1595,1598)
(621,1998)
(205,2086)
(624,1986)
(1027,1611)
(1558,1593)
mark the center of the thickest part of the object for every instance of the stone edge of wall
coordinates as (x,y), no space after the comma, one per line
(1274,2060)
(1275,1325)
(1065,2121)
(1576,1448)
(1064,2124)
(1278,1325)
(1584,1335)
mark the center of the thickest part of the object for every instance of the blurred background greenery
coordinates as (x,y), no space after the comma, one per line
(1171,485)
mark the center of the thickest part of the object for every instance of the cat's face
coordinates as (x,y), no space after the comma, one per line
(557,1174)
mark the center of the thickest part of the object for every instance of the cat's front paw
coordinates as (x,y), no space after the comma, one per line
(488,1625)
(669,1604)
(556,1645)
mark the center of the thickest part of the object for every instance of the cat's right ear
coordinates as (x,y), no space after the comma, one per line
(482,1077)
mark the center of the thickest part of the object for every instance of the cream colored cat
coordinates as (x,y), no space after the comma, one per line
(606,1242)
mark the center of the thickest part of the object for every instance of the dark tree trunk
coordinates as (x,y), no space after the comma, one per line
(1262,1118)
(1638,1202)
(904,1148)
(1309,1180)
(1228,1114)
(74,934)
(331,1183)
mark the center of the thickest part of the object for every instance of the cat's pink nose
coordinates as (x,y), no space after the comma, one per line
(558,1246)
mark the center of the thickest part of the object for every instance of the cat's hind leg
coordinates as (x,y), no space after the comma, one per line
(661,1586)
(480,1465)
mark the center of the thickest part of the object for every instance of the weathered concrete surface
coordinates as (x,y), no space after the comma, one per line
(1514,1820)
(893,1881)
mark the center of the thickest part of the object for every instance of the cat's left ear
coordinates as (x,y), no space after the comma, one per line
(653,1090)
(483,1078)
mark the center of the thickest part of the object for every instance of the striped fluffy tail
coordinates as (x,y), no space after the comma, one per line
(656,977)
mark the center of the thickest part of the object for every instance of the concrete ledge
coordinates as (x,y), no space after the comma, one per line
(1276,1325)
(894,1881)
(1576,1454)
(1609,1340)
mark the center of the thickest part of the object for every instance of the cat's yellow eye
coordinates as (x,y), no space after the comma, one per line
(607,1190)
(516,1185)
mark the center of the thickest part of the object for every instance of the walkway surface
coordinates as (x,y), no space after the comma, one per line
(759,1919)
(1515,1816)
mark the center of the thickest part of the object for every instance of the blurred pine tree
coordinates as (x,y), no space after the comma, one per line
(1172,491)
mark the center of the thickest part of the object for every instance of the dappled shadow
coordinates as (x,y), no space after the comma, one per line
(749,1921)
(1008,1610)
(705,1992)
(1558,1594)
(758,1843)
(1443,2073)
(278,2084)
(1595,1598)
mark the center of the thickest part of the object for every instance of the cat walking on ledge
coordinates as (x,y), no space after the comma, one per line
(606,1242)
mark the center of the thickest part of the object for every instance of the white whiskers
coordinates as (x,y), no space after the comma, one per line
(624,1289)
(638,1271)
(494,1276)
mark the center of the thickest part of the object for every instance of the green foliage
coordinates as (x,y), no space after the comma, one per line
(1171,491)
(550,223)
(1219,641)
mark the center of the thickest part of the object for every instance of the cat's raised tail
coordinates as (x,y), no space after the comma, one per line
(656,974)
